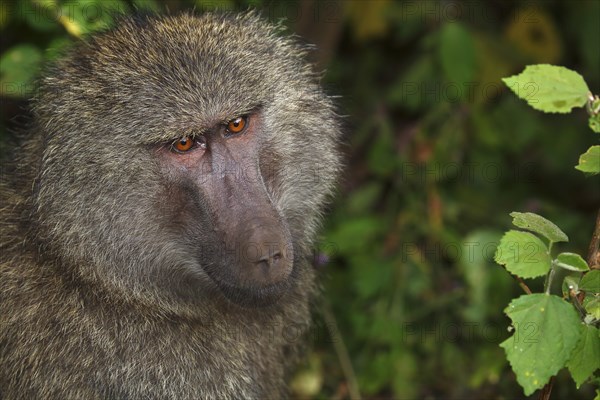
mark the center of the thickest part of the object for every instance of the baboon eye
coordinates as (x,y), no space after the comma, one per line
(237,125)
(184,144)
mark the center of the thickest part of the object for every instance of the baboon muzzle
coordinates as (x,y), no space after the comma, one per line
(255,238)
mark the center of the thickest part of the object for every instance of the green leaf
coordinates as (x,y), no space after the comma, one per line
(523,254)
(407,90)
(547,329)
(18,67)
(592,306)
(356,234)
(549,88)
(594,123)
(590,283)
(538,224)
(40,15)
(585,359)
(594,110)
(572,262)
(457,56)
(589,162)
(86,16)
(383,156)
(364,198)
(369,276)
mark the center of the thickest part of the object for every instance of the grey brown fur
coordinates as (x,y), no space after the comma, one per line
(101,296)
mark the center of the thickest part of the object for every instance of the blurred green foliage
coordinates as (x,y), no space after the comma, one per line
(438,152)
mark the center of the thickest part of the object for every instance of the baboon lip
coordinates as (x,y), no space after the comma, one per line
(253,297)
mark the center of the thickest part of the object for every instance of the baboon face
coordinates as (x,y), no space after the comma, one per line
(193,156)
(220,207)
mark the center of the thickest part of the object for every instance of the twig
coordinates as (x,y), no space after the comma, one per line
(522,284)
(546,390)
(577,303)
(594,250)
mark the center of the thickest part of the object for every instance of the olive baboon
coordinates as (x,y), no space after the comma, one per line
(156,227)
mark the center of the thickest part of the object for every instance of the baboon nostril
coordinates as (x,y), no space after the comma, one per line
(270,260)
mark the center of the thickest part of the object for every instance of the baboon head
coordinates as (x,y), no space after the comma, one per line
(184,158)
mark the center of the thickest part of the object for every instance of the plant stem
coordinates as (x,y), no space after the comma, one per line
(577,304)
(546,390)
(550,274)
(593,258)
(549,278)
(523,284)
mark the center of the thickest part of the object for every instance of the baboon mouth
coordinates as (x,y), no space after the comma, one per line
(253,297)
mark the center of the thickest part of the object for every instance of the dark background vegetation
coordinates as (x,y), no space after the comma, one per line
(437,153)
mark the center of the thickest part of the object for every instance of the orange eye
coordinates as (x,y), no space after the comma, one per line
(237,125)
(183,144)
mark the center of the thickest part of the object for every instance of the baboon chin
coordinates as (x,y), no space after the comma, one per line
(157,223)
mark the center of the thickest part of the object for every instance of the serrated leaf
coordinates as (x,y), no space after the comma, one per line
(523,254)
(549,88)
(594,123)
(594,111)
(585,359)
(589,161)
(590,282)
(592,306)
(546,331)
(572,262)
(538,224)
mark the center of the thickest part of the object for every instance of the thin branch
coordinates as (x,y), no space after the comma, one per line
(523,284)
(577,303)
(546,390)
(593,258)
